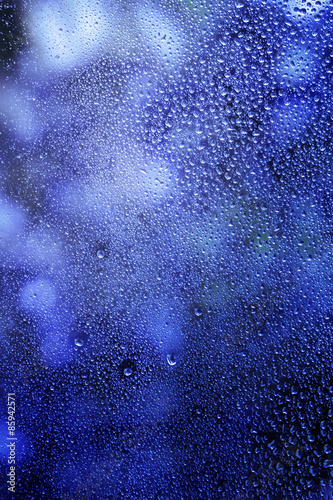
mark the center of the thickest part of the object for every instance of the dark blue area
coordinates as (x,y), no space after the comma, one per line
(166,252)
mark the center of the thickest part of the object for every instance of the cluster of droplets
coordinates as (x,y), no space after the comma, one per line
(165,227)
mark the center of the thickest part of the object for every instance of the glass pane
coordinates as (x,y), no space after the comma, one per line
(166,249)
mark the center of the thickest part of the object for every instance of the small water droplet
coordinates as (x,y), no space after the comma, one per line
(128,371)
(198,311)
(101,253)
(171,358)
(78,342)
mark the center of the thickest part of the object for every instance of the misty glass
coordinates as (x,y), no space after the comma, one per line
(166,249)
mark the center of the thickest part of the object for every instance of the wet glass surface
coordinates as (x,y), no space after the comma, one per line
(166,250)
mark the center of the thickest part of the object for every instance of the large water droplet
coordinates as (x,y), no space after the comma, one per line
(198,311)
(128,371)
(101,253)
(171,358)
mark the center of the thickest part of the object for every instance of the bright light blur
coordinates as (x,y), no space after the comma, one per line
(69,33)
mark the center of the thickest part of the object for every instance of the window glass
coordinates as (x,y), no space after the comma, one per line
(166,249)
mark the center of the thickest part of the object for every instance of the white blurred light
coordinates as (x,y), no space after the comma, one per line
(164,327)
(18,112)
(88,200)
(143,179)
(154,182)
(12,222)
(40,250)
(38,297)
(69,32)
(143,182)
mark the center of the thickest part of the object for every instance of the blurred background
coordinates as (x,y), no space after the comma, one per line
(166,248)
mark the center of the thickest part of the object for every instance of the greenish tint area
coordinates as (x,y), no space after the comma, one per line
(194,5)
(194,10)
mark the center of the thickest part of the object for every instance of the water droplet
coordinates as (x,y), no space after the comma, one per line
(78,342)
(328,463)
(101,253)
(128,371)
(171,359)
(198,311)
